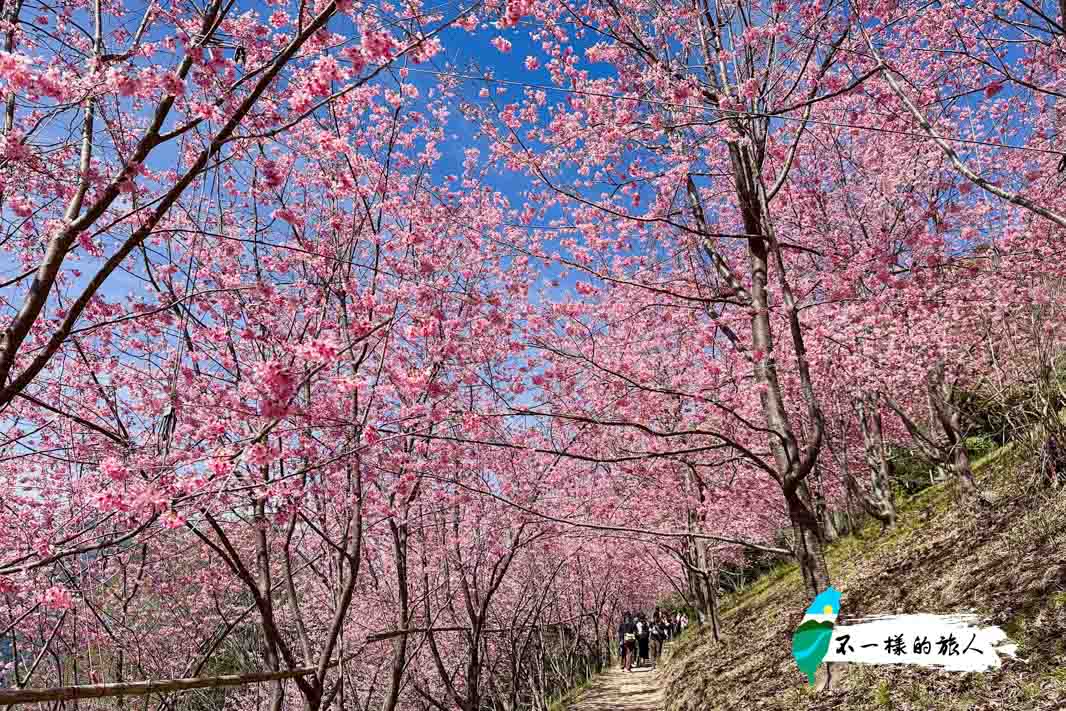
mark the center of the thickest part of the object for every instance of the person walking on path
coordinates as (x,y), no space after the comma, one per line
(627,632)
(658,636)
(643,637)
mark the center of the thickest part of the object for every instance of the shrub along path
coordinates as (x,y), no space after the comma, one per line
(616,690)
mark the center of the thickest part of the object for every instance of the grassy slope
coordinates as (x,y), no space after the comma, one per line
(1008,564)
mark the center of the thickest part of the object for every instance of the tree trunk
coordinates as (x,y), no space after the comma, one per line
(829,524)
(265,585)
(711,608)
(792,461)
(849,514)
(946,450)
(964,473)
(809,544)
(399,645)
(877,500)
(701,579)
(949,416)
(708,589)
(821,510)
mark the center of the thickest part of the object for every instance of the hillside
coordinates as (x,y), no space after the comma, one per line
(1008,564)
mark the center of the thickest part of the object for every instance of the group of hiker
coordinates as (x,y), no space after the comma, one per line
(641,641)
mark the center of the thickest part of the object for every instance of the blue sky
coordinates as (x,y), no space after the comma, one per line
(465,54)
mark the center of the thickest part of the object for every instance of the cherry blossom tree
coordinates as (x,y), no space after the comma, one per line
(300,411)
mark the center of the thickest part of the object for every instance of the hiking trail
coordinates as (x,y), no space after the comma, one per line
(616,690)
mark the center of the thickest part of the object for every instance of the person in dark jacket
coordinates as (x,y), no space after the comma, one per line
(658,637)
(627,632)
(643,636)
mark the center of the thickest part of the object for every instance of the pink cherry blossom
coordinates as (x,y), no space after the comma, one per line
(57,598)
(114,469)
(302,340)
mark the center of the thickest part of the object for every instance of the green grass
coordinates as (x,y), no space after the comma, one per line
(570,697)
(758,587)
(881,695)
(938,498)
(1058,675)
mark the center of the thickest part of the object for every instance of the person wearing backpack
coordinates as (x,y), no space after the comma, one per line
(628,632)
(658,636)
(643,635)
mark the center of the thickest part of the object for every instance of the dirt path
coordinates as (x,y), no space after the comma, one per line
(617,690)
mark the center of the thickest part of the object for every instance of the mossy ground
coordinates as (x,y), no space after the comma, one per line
(1007,563)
